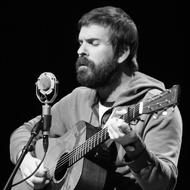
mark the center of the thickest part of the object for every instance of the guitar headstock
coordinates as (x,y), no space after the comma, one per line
(161,101)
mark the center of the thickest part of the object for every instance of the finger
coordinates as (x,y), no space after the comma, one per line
(47,181)
(25,174)
(117,125)
(113,132)
(113,124)
(42,171)
(41,174)
(110,132)
(125,128)
(38,180)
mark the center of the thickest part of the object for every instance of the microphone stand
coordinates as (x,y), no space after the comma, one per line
(37,127)
(45,96)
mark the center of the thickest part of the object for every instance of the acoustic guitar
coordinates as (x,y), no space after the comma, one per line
(71,159)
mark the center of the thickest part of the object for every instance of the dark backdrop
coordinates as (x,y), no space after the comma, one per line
(35,39)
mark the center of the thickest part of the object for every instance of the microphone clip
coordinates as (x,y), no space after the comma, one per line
(46,117)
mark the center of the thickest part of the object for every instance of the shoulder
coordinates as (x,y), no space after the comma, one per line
(78,94)
(82,91)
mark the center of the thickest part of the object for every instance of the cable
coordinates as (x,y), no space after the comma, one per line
(31,173)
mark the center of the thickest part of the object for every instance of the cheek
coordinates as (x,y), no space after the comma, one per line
(101,55)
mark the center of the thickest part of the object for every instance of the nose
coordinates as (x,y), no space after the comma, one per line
(82,50)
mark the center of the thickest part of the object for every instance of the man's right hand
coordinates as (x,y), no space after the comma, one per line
(28,165)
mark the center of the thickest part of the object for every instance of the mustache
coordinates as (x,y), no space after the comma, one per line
(83,61)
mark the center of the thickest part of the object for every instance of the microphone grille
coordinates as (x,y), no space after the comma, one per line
(45,83)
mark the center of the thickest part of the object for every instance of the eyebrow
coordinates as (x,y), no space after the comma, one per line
(89,39)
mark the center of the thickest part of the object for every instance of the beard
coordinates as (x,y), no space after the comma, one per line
(94,76)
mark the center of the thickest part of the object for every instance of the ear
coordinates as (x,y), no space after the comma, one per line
(123,55)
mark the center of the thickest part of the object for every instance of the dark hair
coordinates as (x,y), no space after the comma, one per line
(124,32)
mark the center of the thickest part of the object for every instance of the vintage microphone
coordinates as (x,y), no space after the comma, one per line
(46,92)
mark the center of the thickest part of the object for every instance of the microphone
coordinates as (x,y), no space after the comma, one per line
(46,87)
(46,82)
(46,91)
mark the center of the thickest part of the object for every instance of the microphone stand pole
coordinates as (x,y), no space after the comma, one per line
(25,150)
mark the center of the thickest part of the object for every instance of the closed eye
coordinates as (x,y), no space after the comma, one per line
(94,42)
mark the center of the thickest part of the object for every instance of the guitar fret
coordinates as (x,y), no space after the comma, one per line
(85,150)
(95,139)
(133,112)
(76,154)
(100,136)
(105,135)
(90,144)
(79,152)
(82,150)
(71,159)
(130,112)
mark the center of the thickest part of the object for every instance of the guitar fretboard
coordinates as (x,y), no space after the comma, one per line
(79,152)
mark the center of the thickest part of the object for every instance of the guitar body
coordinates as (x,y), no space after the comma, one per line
(84,174)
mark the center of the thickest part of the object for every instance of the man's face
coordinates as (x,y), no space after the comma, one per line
(96,56)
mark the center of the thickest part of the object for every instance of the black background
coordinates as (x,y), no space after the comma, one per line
(43,38)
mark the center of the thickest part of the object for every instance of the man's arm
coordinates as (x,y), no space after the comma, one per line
(152,158)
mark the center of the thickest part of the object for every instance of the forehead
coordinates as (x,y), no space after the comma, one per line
(94,31)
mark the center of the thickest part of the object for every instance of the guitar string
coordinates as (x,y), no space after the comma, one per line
(69,157)
(88,144)
(65,160)
(78,152)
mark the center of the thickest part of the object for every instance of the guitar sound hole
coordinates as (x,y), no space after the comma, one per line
(61,167)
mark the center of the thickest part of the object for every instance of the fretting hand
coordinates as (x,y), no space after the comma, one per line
(121,132)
